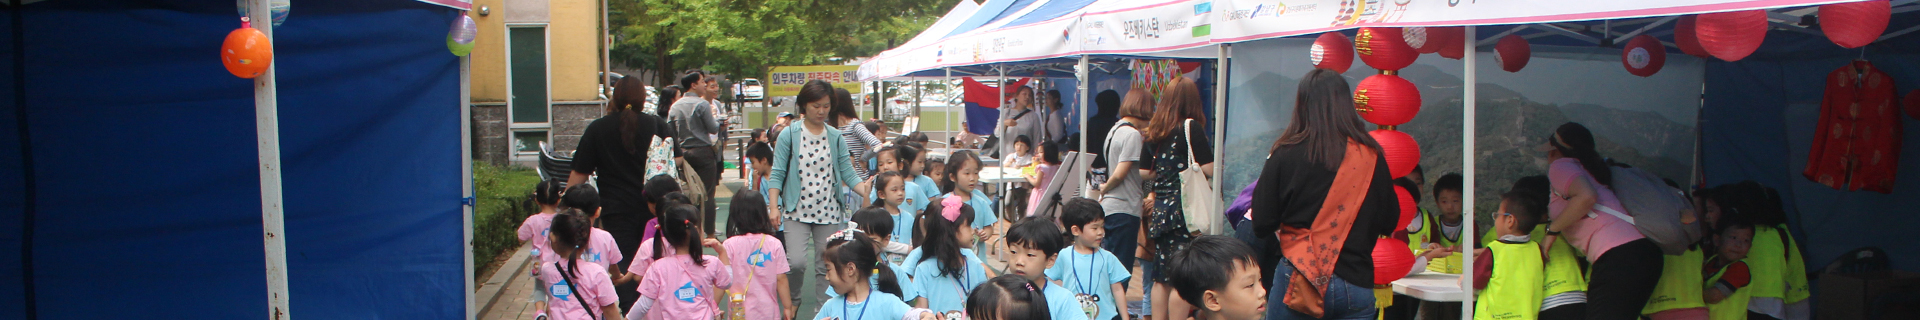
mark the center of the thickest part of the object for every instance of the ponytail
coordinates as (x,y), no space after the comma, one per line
(852,247)
(1574,141)
(678,225)
(547,192)
(570,228)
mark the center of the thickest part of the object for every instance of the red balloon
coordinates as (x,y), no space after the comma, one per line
(1391,260)
(1422,39)
(1401,151)
(1912,103)
(1384,48)
(246,52)
(1512,53)
(1855,24)
(1683,37)
(1455,44)
(1408,208)
(1332,51)
(1643,56)
(1386,99)
(1733,35)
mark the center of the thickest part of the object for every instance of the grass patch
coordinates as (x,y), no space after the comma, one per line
(501,203)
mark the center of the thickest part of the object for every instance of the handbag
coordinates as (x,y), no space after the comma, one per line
(691,184)
(660,158)
(1199,202)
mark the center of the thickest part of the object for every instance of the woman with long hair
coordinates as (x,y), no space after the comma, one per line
(1625,264)
(859,139)
(1178,129)
(1326,190)
(615,147)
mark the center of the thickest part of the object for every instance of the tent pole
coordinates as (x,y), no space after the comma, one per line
(466,175)
(1082,75)
(1000,96)
(1466,169)
(1219,113)
(948,81)
(266,120)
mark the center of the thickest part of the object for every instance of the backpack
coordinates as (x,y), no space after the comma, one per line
(1660,212)
(1097,170)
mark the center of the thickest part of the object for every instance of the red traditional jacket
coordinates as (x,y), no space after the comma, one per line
(1858,138)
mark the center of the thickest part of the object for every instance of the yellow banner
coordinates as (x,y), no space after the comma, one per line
(785,81)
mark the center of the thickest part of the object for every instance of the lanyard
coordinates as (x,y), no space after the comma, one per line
(1085,286)
(863,306)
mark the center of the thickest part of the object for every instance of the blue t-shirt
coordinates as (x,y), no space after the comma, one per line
(946,293)
(903,223)
(1061,305)
(928,188)
(899,276)
(1092,274)
(879,306)
(912,259)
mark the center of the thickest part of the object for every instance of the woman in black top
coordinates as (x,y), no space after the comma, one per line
(1169,138)
(615,147)
(1295,182)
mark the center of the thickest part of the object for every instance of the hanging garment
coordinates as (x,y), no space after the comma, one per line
(1858,142)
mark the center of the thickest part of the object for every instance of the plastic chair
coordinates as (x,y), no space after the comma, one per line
(552,165)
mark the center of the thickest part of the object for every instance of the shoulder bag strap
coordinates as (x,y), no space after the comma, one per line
(575,289)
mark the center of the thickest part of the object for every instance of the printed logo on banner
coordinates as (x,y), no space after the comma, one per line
(1142,28)
(1269,10)
(1202,25)
(1354,12)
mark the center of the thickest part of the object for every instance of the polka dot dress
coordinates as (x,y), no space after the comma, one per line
(817,203)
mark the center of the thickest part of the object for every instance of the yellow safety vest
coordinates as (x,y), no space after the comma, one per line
(1679,286)
(1563,267)
(1796,275)
(1514,292)
(1450,264)
(1417,239)
(1768,262)
(1734,307)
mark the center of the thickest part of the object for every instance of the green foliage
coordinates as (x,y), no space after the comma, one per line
(500,195)
(746,37)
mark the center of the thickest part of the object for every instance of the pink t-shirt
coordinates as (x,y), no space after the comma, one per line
(683,290)
(1045,171)
(1597,231)
(767,261)
(535,229)
(643,257)
(601,249)
(596,288)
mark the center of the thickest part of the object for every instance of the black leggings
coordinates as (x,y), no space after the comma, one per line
(1622,280)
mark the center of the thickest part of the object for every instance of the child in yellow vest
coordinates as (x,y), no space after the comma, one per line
(1565,285)
(1727,290)
(1679,293)
(1514,287)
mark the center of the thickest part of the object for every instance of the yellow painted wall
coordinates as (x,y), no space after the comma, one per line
(489,57)
(572,42)
(572,47)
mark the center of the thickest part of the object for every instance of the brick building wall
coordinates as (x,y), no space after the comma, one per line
(492,140)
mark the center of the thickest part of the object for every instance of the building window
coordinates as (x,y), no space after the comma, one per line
(528,142)
(527,74)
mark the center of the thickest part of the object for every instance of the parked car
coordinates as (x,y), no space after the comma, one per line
(751,90)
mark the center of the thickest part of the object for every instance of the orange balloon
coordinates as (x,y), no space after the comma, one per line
(246,53)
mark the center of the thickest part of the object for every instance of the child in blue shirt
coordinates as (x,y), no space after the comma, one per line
(1095,275)
(851,260)
(946,271)
(1034,244)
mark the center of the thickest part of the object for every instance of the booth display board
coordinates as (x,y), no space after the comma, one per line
(1645,122)
(785,81)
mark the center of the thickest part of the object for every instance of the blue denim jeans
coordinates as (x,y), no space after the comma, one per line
(1343,300)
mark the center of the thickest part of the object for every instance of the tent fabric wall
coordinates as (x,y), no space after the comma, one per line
(148,199)
(1758,124)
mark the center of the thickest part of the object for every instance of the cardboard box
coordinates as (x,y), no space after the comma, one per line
(1849,296)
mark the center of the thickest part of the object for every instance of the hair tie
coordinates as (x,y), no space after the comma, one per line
(950,208)
(1029,286)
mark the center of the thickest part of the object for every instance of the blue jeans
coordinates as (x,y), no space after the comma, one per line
(1343,300)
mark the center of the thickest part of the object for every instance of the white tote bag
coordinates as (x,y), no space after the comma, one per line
(1200,203)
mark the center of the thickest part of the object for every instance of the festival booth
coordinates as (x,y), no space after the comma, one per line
(141,174)
(1677,109)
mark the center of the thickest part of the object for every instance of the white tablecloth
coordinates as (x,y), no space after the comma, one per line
(996,175)
(1431,286)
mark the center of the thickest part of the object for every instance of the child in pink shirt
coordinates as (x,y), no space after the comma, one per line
(575,289)
(547,195)
(681,286)
(1041,173)
(764,292)
(601,248)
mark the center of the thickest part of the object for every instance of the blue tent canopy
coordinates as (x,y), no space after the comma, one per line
(989,12)
(132,185)
(1052,9)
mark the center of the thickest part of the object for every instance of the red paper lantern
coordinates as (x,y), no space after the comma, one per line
(1512,53)
(1643,56)
(1391,260)
(1855,24)
(1912,103)
(1422,39)
(1401,151)
(246,52)
(1386,99)
(1408,208)
(1332,51)
(1455,44)
(1733,35)
(1683,37)
(1384,48)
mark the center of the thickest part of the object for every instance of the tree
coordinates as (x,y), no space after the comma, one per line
(748,36)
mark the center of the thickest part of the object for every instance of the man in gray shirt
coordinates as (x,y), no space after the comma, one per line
(694,128)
